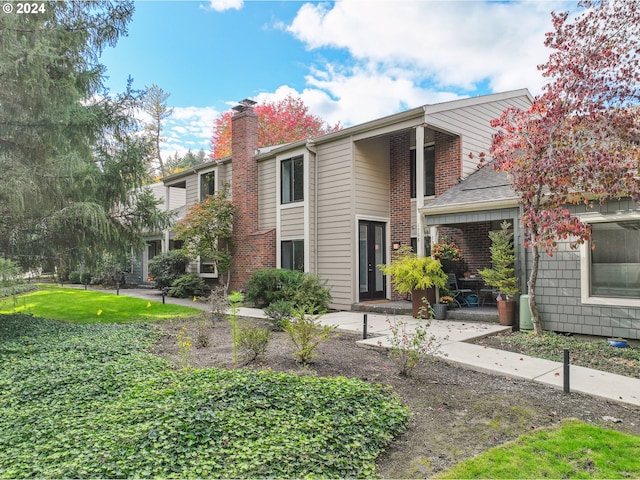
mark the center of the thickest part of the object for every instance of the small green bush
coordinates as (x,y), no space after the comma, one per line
(306,333)
(85,278)
(188,285)
(253,341)
(302,289)
(279,312)
(74,277)
(167,267)
(312,294)
(272,284)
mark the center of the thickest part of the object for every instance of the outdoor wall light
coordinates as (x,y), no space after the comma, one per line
(397,245)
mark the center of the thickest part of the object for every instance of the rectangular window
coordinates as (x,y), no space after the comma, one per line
(429,171)
(207,184)
(292,177)
(293,255)
(615,259)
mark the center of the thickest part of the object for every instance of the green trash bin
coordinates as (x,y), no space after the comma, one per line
(525,313)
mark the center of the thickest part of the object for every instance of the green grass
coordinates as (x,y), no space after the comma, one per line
(572,449)
(89,401)
(89,306)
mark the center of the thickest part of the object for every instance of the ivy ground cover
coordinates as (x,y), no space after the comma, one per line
(90,306)
(91,401)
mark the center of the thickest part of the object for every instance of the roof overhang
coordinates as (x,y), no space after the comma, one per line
(469,207)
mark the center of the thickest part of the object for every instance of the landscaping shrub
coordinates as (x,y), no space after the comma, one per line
(167,267)
(109,272)
(253,341)
(188,285)
(74,277)
(306,333)
(272,284)
(302,289)
(89,401)
(312,294)
(279,312)
(85,278)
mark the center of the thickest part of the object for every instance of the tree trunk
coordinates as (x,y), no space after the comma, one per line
(531,284)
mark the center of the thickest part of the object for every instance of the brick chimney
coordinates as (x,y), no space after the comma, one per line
(254,249)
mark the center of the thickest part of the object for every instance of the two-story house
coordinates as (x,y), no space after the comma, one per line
(340,204)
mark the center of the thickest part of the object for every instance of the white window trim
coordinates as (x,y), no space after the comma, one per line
(215,181)
(585,262)
(292,239)
(206,275)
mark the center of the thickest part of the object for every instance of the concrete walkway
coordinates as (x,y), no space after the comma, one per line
(455,349)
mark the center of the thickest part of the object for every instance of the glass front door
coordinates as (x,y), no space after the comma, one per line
(371,252)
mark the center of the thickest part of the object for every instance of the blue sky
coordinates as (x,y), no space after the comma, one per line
(350,60)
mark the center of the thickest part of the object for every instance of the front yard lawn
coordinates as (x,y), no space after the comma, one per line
(90,306)
(79,401)
(571,449)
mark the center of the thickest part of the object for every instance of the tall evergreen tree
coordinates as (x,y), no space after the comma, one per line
(155,104)
(71,159)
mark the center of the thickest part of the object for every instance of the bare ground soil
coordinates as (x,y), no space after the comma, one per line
(455,413)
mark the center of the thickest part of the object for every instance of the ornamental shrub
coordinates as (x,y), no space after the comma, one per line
(188,285)
(74,277)
(304,290)
(272,284)
(253,341)
(167,267)
(279,312)
(306,333)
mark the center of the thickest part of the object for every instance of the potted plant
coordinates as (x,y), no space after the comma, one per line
(502,274)
(414,275)
(440,308)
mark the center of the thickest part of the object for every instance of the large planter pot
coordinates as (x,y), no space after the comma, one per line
(418,306)
(506,312)
(440,311)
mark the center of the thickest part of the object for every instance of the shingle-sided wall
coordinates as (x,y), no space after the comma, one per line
(559,300)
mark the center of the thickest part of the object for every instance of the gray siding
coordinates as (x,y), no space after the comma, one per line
(372,177)
(292,222)
(558,296)
(472,125)
(335,220)
(192,189)
(267,194)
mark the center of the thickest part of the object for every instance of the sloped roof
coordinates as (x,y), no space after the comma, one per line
(483,187)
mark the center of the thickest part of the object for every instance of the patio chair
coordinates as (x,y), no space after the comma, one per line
(459,294)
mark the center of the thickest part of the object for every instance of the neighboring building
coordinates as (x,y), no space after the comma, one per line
(338,205)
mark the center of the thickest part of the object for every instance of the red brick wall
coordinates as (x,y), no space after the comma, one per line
(448,161)
(253,250)
(474,243)
(400,193)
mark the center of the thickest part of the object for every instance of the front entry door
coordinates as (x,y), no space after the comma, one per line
(371,252)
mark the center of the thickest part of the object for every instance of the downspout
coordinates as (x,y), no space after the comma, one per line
(312,149)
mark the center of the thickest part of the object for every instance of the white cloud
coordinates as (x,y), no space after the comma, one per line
(222,5)
(403,54)
(188,128)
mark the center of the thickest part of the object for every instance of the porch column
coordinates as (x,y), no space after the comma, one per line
(420,190)
(167,200)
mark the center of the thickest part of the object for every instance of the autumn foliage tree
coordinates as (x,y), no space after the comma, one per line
(206,231)
(578,142)
(279,122)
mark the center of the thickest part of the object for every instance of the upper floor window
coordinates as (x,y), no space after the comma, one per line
(207,184)
(292,176)
(429,171)
(615,259)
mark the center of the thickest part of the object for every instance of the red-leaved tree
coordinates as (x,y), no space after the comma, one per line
(579,142)
(279,122)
